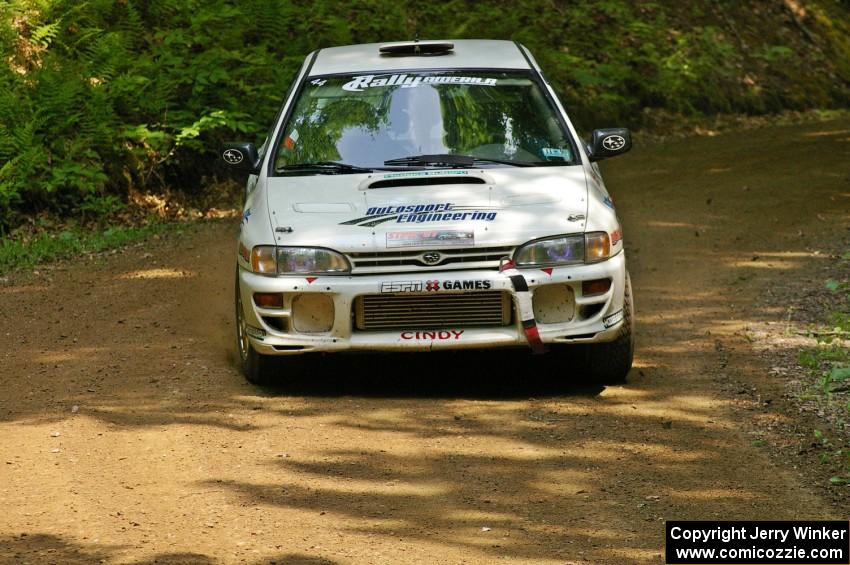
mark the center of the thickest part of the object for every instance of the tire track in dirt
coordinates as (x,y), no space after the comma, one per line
(128,436)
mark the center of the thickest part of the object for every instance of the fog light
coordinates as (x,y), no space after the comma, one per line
(598,286)
(312,313)
(553,304)
(268,299)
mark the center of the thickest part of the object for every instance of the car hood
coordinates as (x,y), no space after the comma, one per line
(430,208)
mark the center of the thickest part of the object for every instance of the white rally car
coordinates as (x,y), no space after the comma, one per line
(428,195)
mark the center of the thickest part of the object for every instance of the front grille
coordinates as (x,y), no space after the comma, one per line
(408,260)
(375,312)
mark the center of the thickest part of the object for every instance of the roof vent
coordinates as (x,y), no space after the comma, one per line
(417,48)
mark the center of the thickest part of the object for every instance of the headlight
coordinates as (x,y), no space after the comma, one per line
(267,259)
(565,250)
(309,260)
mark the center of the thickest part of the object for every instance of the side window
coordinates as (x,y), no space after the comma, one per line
(267,142)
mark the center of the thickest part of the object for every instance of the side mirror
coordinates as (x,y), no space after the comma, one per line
(241,156)
(609,142)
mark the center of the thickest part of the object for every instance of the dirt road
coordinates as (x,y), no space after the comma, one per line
(128,436)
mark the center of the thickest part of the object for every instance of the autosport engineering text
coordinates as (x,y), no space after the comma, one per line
(421,213)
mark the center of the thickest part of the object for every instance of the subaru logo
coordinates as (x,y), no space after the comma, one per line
(232,156)
(613,142)
(432,258)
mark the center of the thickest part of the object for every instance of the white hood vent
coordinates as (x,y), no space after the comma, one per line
(426,181)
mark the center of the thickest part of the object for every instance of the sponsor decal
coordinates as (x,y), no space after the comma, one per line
(232,156)
(418,174)
(245,215)
(616,237)
(425,238)
(467,285)
(362,82)
(244,252)
(552,152)
(613,142)
(608,202)
(436,335)
(402,286)
(613,319)
(318,82)
(575,217)
(422,213)
(256,333)
(291,139)
(435,285)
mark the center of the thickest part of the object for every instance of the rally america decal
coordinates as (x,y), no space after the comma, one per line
(422,213)
(395,287)
(362,82)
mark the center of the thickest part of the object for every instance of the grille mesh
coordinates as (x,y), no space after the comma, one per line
(410,260)
(376,312)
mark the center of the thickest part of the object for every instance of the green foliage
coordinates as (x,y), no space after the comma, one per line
(101,97)
(71,243)
(828,366)
(837,456)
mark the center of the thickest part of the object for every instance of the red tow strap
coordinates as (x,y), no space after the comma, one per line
(523,305)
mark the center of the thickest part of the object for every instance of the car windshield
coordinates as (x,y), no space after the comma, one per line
(365,120)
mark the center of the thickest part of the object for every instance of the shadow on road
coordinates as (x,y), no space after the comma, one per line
(46,548)
(511,374)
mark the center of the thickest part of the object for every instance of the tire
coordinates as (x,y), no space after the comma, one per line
(610,363)
(258,369)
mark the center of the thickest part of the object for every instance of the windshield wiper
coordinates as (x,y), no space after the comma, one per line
(325,168)
(450,160)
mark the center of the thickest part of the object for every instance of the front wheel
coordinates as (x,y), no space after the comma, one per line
(610,363)
(258,369)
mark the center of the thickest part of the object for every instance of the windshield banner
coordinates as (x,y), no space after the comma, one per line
(359,83)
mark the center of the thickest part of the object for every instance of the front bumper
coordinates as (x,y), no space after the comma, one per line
(273,330)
